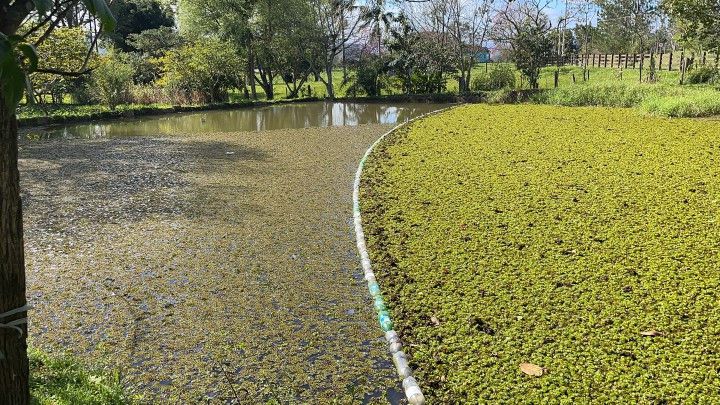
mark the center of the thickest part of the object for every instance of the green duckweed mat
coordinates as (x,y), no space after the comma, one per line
(216,267)
(581,240)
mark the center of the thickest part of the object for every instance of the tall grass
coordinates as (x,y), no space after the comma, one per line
(603,94)
(704,103)
(656,99)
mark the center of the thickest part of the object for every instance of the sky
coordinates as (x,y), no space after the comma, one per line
(557,10)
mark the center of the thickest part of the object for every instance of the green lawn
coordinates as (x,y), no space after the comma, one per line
(63,381)
(581,240)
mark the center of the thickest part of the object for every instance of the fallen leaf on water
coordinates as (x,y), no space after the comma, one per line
(435,321)
(531,369)
(651,333)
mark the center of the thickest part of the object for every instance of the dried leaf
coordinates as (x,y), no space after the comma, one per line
(531,369)
(651,333)
(435,321)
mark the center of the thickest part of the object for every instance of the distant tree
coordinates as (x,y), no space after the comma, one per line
(279,29)
(626,25)
(155,42)
(111,81)
(261,30)
(64,49)
(377,17)
(136,16)
(337,22)
(17,59)
(228,20)
(418,59)
(203,71)
(698,20)
(564,43)
(524,27)
(371,76)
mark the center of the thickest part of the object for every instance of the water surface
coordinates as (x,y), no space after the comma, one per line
(285,116)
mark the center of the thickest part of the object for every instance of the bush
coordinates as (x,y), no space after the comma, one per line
(370,77)
(502,77)
(703,75)
(145,69)
(150,94)
(202,72)
(112,81)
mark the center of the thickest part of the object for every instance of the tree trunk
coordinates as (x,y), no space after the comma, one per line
(251,73)
(14,369)
(329,82)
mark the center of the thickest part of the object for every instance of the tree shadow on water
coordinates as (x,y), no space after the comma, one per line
(128,179)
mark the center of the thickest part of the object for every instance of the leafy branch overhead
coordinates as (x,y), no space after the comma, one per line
(19,58)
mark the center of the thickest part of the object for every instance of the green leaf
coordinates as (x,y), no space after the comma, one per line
(31,55)
(43,6)
(12,77)
(13,80)
(100,9)
(5,47)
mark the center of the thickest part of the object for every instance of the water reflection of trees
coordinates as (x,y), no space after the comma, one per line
(257,119)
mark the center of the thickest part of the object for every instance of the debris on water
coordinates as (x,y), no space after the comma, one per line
(171,258)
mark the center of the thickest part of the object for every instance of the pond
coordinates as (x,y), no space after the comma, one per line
(285,116)
(207,263)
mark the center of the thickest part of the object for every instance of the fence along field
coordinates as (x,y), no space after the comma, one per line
(665,61)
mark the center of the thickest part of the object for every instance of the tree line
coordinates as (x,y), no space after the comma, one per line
(202,51)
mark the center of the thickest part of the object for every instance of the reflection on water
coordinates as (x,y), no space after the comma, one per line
(284,116)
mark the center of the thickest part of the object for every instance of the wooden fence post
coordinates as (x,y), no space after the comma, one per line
(704,57)
(682,58)
(670,62)
(642,59)
(660,63)
(683,67)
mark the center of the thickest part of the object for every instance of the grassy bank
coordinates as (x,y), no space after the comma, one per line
(581,240)
(654,99)
(62,380)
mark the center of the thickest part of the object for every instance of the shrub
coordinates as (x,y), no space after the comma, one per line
(112,81)
(502,77)
(202,72)
(370,77)
(703,75)
(145,69)
(150,94)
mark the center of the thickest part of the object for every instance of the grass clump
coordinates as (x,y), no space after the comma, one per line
(697,104)
(704,75)
(62,380)
(580,240)
(656,99)
(604,94)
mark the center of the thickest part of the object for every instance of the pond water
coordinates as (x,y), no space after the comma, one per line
(301,115)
